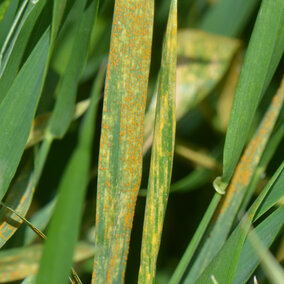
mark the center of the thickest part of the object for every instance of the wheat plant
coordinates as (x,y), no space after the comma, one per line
(141,141)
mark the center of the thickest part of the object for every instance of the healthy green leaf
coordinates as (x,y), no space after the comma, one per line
(64,108)
(65,224)
(263,55)
(17,111)
(120,160)
(7,21)
(58,12)
(271,267)
(162,154)
(19,40)
(22,16)
(267,230)
(228,17)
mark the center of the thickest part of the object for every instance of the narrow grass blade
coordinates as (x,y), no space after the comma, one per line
(64,108)
(237,189)
(203,60)
(65,224)
(272,268)
(8,19)
(228,17)
(16,51)
(224,264)
(18,263)
(120,160)
(58,12)
(40,221)
(162,154)
(267,230)
(263,55)
(22,16)
(190,250)
(17,111)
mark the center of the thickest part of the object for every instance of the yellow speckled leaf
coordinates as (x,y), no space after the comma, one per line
(162,154)
(120,160)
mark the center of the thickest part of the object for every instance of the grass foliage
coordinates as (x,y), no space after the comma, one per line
(141,141)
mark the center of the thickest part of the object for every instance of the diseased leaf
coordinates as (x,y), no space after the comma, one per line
(120,158)
(264,52)
(19,197)
(162,154)
(18,263)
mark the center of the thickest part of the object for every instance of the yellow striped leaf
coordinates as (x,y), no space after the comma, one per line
(162,154)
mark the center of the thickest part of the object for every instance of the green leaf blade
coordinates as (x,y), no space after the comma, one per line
(17,111)
(261,57)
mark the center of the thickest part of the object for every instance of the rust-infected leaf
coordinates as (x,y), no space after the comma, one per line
(162,154)
(120,159)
